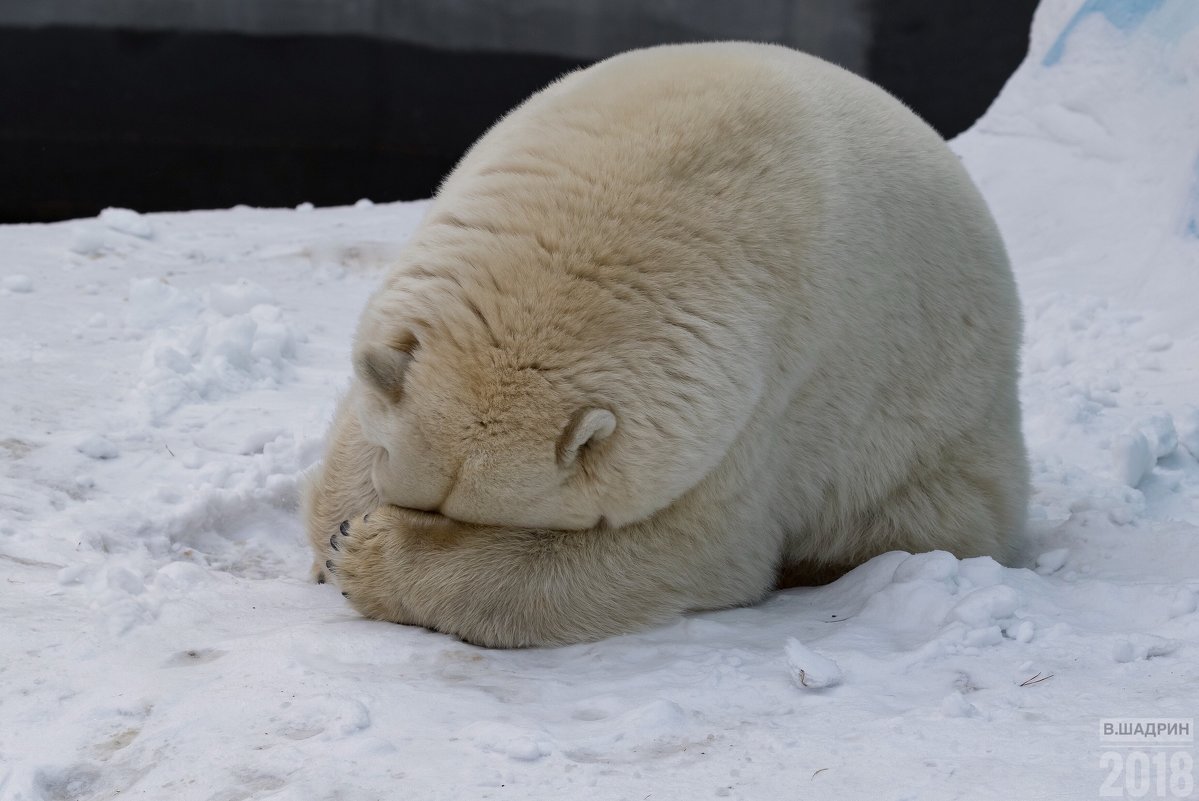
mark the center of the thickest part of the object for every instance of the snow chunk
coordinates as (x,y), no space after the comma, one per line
(980,571)
(526,749)
(933,566)
(988,635)
(955,705)
(18,283)
(524,745)
(1188,429)
(1132,457)
(983,607)
(238,298)
(1160,434)
(1183,604)
(1142,646)
(1052,561)
(661,716)
(256,441)
(1023,631)
(1136,452)
(98,447)
(127,221)
(810,670)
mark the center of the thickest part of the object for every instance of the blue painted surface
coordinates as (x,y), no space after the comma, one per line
(1123,14)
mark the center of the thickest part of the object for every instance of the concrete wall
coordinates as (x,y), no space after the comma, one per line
(838,30)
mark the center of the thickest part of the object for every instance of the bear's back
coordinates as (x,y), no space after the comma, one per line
(687,234)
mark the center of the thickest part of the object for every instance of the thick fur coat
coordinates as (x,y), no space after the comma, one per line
(687,324)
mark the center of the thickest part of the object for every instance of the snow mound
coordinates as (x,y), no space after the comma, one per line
(126,221)
(1104,112)
(1090,161)
(206,348)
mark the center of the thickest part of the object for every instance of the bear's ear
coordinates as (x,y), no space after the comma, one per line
(586,427)
(382,367)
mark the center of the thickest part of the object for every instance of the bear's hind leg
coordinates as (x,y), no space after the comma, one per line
(971,501)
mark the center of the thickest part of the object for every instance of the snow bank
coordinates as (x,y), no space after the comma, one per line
(1089,156)
(1090,161)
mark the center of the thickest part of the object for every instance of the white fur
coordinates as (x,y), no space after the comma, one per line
(725,296)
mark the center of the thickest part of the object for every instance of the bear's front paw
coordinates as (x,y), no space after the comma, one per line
(347,547)
(363,561)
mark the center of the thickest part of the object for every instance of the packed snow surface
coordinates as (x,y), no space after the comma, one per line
(166,380)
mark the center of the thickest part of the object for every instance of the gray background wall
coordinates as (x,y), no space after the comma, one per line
(582,29)
(178,104)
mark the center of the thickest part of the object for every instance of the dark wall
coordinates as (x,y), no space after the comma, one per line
(947,59)
(162,120)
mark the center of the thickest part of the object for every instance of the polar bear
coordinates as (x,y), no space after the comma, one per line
(689,324)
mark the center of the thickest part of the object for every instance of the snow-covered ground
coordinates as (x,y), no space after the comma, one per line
(166,379)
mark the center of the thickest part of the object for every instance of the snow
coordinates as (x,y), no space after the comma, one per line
(17,283)
(126,221)
(98,447)
(168,381)
(809,669)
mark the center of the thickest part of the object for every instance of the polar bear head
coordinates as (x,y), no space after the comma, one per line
(481,443)
(501,395)
(475,421)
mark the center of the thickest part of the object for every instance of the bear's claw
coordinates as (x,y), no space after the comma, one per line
(343,545)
